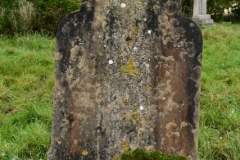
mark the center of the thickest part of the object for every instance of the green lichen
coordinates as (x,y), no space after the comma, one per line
(141,154)
(129,69)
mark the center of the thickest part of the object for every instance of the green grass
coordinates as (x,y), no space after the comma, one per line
(26,92)
(26,82)
(220,104)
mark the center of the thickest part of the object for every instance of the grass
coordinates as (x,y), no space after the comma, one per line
(220,104)
(26,82)
(26,92)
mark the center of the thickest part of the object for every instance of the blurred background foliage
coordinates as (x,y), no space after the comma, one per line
(216,9)
(17,16)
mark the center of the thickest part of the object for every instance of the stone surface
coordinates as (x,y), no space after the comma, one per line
(127,76)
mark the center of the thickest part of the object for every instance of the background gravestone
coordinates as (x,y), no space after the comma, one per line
(127,76)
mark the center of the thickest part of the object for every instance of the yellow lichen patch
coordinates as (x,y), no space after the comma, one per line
(135,106)
(148,89)
(136,118)
(125,146)
(120,57)
(134,31)
(129,69)
(116,157)
(124,101)
(133,116)
(85,152)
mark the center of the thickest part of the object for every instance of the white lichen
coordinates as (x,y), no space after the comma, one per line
(123,5)
(110,61)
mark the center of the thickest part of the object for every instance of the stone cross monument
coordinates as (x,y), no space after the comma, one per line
(200,13)
(127,77)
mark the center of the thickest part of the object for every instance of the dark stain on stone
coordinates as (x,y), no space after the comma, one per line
(72,26)
(83,8)
(194,35)
(71,118)
(152,19)
(110,23)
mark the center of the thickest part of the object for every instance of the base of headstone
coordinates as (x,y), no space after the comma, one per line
(203,20)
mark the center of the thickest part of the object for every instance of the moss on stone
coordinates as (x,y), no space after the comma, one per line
(132,35)
(141,154)
(128,39)
(129,69)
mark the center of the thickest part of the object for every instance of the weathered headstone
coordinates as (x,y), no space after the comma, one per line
(200,15)
(127,77)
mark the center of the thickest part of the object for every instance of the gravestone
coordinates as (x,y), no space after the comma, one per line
(200,15)
(127,77)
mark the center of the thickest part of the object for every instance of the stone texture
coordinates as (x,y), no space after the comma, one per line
(127,76)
